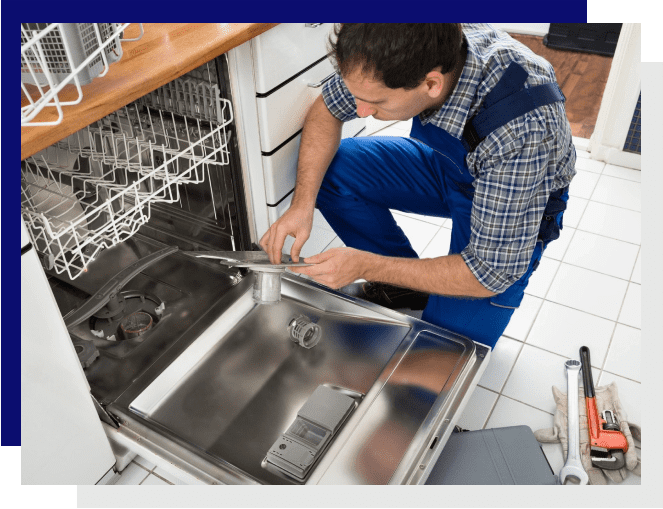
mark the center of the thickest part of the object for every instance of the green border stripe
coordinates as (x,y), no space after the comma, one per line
(648,13)
(16,496)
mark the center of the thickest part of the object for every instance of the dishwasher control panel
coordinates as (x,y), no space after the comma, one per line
(317,421)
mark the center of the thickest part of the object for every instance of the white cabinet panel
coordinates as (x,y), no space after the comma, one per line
(285,50)
(282,113)
(280,169)
(62,440)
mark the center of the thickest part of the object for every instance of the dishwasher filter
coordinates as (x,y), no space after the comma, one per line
(295,452)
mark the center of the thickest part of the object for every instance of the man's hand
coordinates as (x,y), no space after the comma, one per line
(444,275)
(296,222)
(337,267)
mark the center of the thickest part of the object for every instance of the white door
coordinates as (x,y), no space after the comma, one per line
(62,441)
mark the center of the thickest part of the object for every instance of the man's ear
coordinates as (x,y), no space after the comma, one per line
(435,84)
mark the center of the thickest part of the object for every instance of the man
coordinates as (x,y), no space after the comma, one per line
(490,148)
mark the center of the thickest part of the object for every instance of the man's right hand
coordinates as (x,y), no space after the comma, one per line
(296,222)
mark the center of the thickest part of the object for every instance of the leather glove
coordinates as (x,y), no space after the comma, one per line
(607,398)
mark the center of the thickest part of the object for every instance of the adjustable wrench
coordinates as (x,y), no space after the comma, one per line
(573,466)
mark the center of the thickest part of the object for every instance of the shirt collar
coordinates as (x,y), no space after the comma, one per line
(454,113)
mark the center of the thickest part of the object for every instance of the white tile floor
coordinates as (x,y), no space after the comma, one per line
(586,291)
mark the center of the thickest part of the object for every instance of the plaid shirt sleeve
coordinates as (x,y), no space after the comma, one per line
(339,100)
(516,166)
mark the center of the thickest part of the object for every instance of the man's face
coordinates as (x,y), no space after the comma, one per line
(373,98)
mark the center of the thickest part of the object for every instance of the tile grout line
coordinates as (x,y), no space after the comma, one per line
(162,478)
(593,187)
(506,380)
(575,309)
(605,175)
(492,408)
(527,404)
(604,236)
(523,343)
(602,368)
(613,205)
(599,272)
(622,306)
(636,262)
(431,240)
(405,214)
(607,354)
(149,472)
(615,177)
(607,205)
(536,315)
(621,376)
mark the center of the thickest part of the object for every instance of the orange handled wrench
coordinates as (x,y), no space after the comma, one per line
(607,443)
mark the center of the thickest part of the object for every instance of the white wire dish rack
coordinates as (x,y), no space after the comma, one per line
(196,94)
(95,188)
(54,55)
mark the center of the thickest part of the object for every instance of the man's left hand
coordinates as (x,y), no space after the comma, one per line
(337,267)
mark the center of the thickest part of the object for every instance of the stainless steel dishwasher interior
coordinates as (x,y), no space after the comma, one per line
(239,385)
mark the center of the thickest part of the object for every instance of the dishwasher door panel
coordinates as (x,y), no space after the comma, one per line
(62,440)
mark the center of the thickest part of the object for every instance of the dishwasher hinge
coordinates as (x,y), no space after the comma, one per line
(104,415)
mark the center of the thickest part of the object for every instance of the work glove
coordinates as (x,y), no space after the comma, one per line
(606,399)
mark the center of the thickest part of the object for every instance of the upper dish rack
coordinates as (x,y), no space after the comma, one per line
(95,188)
(54,55)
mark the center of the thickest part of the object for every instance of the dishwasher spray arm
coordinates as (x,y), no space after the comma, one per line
(107,295)
(267,285)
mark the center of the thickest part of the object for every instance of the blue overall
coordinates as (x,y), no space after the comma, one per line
(427,174)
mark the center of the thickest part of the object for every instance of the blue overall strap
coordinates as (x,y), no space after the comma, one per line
(505,106)
(511,81)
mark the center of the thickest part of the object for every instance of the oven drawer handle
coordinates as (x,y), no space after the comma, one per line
(108,293)
(322,82)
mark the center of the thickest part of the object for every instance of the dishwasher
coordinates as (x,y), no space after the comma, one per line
(183,363)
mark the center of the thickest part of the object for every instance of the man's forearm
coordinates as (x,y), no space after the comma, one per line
(321,137)
(445,275)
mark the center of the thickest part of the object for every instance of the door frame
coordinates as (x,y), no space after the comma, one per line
(618,103)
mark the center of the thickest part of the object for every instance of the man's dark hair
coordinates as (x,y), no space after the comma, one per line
(398,54)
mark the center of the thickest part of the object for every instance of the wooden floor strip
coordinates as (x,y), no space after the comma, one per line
(582,77)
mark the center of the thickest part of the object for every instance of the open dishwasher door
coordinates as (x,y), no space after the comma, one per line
(371,401)
(62,440)
(408,415)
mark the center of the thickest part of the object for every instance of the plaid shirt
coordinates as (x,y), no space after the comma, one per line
(515,168)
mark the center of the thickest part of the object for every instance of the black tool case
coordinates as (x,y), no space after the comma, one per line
(493,456)
(599,38)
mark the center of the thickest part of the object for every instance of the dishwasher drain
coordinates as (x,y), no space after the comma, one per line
(304,331)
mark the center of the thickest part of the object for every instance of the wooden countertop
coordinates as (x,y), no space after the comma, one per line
(165,52)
